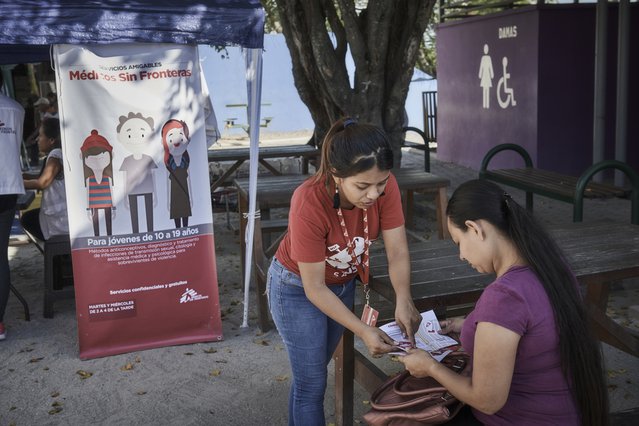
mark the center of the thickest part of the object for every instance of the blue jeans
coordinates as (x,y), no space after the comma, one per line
(310,338)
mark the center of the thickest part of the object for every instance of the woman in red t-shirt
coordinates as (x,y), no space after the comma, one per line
(334,217)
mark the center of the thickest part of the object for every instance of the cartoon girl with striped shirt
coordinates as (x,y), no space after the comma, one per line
(98,173)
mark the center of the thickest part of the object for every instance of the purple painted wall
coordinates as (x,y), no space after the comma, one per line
(566,89)
(467,127)
(550,69)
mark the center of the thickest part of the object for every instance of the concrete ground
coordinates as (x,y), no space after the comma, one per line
(242,380)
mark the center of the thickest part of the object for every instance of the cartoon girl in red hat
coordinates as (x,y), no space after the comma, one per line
(175,139)
(98,173)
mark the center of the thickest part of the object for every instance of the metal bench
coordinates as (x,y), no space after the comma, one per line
(562,187)
(420,146)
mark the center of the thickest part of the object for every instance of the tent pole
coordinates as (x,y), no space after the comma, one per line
(621,123)
(254,91)
(599,126)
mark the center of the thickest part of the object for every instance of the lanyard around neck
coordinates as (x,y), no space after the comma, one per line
(363,266)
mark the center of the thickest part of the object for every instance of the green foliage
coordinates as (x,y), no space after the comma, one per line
(272,23)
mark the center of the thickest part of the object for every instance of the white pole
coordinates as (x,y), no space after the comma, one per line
(254,90)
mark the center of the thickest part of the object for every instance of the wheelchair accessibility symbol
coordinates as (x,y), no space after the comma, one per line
(505,93)
(502,86)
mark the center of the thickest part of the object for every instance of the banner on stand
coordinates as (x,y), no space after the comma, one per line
(139,204)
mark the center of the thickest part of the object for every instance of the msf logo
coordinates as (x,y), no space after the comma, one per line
(191,295)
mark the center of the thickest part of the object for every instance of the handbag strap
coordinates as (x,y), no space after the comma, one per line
(432,394)
(428,387)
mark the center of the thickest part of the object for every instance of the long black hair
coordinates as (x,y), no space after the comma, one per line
(581,359)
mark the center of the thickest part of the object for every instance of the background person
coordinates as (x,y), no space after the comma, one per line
(52,107)
(311,280)
(535,360)
(39,107)
(12,119)
(30,131)
(51,218)
(42,106)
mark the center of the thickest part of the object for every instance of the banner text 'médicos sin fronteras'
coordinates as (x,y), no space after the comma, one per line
(129,76)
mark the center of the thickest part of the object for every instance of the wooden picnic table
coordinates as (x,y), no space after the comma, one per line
(241,154)
(276,192)
(598,253)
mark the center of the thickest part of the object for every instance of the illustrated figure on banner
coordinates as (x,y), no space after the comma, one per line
(486,76)
(175,140)
(97,160)
(134,133)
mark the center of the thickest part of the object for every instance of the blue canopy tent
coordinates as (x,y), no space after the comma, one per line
(28,28)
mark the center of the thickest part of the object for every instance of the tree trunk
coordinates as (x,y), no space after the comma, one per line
(384,40)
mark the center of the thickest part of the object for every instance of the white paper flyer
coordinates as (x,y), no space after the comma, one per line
(427,336)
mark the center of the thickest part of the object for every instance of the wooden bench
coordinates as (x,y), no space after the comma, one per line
(242,154)
(561,187)
(58,269)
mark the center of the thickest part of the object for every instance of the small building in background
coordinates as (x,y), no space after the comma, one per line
(526,76)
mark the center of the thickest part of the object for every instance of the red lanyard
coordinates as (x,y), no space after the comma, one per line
(363,266)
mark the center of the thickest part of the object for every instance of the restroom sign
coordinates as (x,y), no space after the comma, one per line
(504,91)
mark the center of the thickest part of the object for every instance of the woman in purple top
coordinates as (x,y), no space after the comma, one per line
(535,359)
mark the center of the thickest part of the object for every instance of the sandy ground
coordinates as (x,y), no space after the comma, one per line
(242,380)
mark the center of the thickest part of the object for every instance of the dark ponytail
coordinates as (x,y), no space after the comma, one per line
(581,358)
(350,148)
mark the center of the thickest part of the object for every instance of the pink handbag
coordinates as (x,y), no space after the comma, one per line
(404,400)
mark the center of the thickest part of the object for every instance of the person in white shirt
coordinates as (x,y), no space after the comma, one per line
(11,121)
(51,218)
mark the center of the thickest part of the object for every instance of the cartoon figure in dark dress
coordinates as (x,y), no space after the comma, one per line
(175,139)
(134,133)
(97,157)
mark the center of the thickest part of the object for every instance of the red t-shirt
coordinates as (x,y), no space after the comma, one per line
(315,235)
